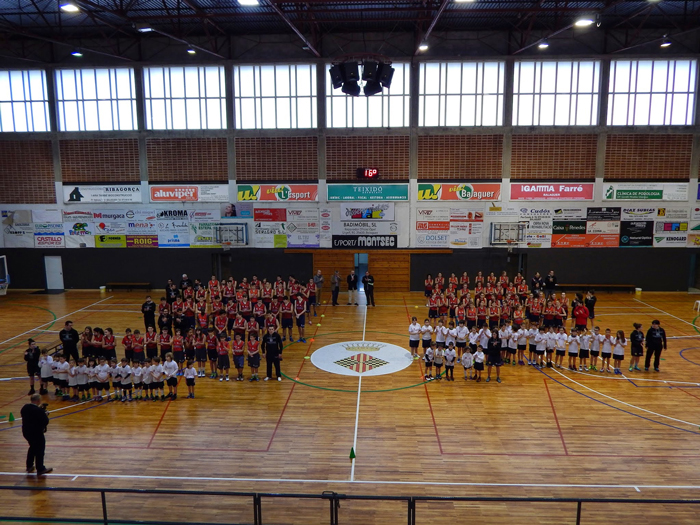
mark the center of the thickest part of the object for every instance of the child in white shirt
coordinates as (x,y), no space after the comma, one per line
(560,346)
(596,341)
(574,345)
(137,375)
(428,355)
(479,358)
(45,362)
(190,374)
(414,337)
(450,357)
(468,363)
(585,337)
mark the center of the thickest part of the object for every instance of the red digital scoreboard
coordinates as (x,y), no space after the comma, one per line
(367,173)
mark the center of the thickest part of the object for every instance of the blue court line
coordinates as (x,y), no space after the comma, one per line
(616,408)
(684,357)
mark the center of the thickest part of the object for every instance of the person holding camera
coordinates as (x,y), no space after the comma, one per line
(35,419)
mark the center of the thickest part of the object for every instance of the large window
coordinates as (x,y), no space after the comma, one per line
(651,92)
(185,97)
(24,104)
(96,99)
(461,94)
(275,96)
(558,93)
(388,109)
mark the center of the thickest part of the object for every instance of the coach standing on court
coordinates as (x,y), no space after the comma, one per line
(271,348)
(318,281)
(34,423)
(69,339)
(656,342)
(550,283)
(352,288)
(335,288)
(368,283)
(148,309)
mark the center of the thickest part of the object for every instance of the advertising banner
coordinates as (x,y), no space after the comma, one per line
(141,215)
(204,215)
(108,215)
(270,214)
(668,227)
(365,241)
(48,228)
(142,241)
(46,216)
(278,192)
(538,240)
(326,226)
(270,235)
(364,228)
(18,235)
(174,214)
(142,227)
(110,241)
(569,227)
(693,240)
(78,233)
(77,216)
(367,192)
(636,233)
(49,241)
(203,235)
(672,213)
(433,239)
(173,227)
(113,193)
(111,228)
(367,212)
(573,240)
(628,191)
(479,191)
(603,214)
(189,193)
(552,191)
(569,213)
(671,240)
(638,214)
(603,227)
(173,239)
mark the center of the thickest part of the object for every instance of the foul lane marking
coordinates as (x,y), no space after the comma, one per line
(666,313)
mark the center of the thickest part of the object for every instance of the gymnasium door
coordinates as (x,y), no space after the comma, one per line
(53,267)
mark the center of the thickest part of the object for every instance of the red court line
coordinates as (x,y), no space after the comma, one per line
(556,419)
(159,422)
(693,395)
(14,400)
(303,361)
(430,406)
(274,432)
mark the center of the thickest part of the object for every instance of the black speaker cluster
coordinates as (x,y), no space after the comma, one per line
(375,76)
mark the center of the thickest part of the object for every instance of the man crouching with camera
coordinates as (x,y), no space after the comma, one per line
(35,419)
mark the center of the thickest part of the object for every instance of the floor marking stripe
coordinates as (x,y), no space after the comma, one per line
(666,313)
(360,482)
(357,421)
(556,419)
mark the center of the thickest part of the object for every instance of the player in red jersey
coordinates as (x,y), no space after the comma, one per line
(212,341)
(429,285)
(165,341)
(299,312)
(259,312)
(252,329)
(238,349)
(139,356)
(287,318)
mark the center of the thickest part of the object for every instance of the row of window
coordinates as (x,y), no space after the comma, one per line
(559,93)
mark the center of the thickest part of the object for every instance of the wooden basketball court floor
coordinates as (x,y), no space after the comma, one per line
(551,433)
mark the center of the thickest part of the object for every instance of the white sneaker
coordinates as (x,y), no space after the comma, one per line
(266,379)
(221,379)
(227,379)
(279,379)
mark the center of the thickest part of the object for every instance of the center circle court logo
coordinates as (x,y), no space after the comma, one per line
(366,358)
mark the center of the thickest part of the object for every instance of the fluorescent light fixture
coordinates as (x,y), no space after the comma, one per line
(70,8)
(77,53)
(584,22)
(143,28)
(666,43)
(543,45)
(423,46)
(248,2)
(191,51)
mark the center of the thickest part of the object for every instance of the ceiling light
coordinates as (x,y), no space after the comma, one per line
(70,8)
(665,42)
(77,53)
(351,88)
(372,87)
(584,22)
(191,51)
(248,2)
(543,45)
(143,28)
(423,46)
(463,1)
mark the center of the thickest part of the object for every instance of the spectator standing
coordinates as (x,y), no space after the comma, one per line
(352,288)
(368,283)
(318,281)
(655,342)
(272,351)
(69,339)
(34,423)
(550,283)
(148,309)
(335,287)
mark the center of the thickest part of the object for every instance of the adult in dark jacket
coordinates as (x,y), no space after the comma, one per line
(34,423)
(271,348)
(368,283)
(536,283)
(69,337)
(550,283)
(148,309)
(31,356)
(352,288)
(655,342)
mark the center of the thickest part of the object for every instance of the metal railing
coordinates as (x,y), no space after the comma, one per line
(333,498)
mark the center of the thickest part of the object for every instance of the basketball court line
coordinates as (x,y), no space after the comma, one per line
(421,483)
(666,313)
(54,320)
(357,412)
(694,425)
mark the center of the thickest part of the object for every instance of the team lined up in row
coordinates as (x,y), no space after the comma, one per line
(508,344)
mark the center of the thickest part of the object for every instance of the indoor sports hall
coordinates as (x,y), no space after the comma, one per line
(349,262)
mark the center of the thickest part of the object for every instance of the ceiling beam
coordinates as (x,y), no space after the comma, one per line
(294,28)
(432,25)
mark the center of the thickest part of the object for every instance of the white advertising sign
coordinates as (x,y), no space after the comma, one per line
(114,193)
